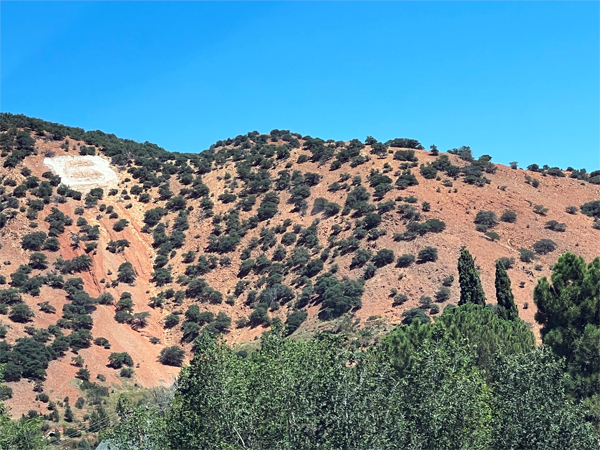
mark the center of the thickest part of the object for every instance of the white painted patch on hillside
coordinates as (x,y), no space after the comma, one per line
(83,172)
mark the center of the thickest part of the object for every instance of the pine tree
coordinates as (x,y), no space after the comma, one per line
(68,414)
(507,309)
(470,285)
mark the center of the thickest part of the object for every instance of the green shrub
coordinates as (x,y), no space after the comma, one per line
(171,321)
(405,260)
(399,299)
(526,255)
(508,216)
(102,342)
(442,294)
(492,235)
(120,225)
(118,360)
(21,313)
(383,257)
(591,209)
(507,263)
(555,226)
(486,219)
(360,258)
(126,273)
(415,314)
(34,241)
(172,356)
(294,320)
(544,246)
(126,372)
(428,171)
(427,254)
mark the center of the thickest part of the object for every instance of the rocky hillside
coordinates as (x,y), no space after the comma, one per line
(103,283)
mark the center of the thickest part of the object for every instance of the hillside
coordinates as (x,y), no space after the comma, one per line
(258,229)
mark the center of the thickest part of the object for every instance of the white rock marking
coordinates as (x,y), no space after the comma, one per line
(82,172)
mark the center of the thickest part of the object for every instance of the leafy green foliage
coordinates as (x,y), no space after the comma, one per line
(568,312)
(544,246)
(591,209)
(471,290)
(428,254)
(507,309)
(338,297)
(33,241)
(126,273)
(172,356)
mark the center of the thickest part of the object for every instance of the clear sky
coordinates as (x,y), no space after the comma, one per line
(516,80)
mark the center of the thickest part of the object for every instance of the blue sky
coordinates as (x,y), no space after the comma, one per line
(516,80)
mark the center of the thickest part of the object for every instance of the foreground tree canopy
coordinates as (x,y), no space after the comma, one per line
(470,380)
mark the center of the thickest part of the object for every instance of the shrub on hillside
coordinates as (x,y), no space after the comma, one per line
(118,360)
(405,260)
(21,313)
(415,314)
(33,241)
(427,254)
(544,246)
(172,356)
(508,216)
(486,219)
(591,209)
(126,273)
(383,257)
(507,263)
(555,226)
(526,255)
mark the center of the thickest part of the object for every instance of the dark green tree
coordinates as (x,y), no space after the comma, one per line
(471,290)
(126,273)
(568,312)
(507,309)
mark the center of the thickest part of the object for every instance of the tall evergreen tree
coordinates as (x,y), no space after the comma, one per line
(568,308)
(507,309)
(471,290)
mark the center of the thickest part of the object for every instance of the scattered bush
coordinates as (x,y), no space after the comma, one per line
(555,226)
(34,241)
(508,216)
(544,246)
(507,263)
(383,258)
(492,235)
(427,254)
(526,255)
(120,225)
(21,313)
(442,294)
(118,360)
(486,219)
(126,273)
(405,260)
(591,209)
(172,356)
(415,314)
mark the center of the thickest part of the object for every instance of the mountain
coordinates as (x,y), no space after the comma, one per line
(122,250)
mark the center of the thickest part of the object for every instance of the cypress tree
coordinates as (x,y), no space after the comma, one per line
(69,414)
(470,285)
(507,309)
